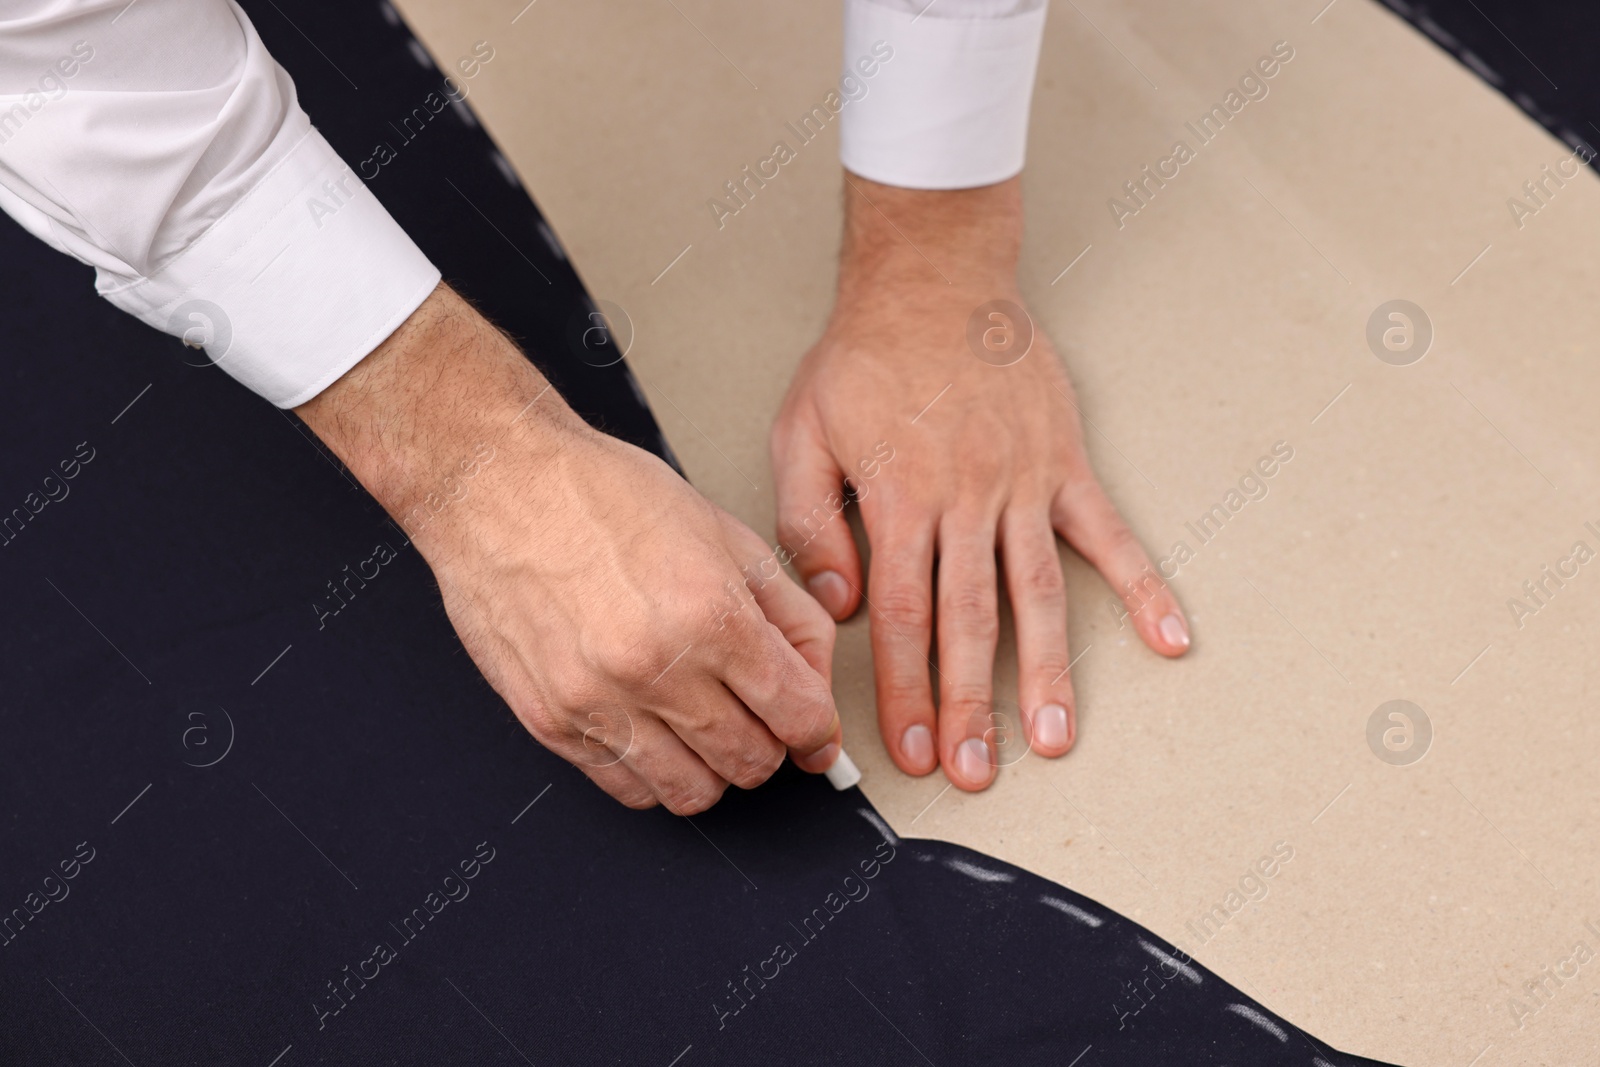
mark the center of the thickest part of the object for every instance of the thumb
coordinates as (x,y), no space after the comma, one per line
(812,526)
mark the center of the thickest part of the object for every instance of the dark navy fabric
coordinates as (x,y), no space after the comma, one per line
(1540,54)
(240,827)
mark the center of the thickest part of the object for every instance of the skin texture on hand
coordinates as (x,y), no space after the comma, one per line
(625,619)
(988,467)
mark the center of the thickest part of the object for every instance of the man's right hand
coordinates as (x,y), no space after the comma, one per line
(636,629)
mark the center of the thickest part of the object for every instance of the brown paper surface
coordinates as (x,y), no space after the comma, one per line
(1228,314)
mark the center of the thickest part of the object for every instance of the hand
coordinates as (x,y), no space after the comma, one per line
(630,624)
(986,459)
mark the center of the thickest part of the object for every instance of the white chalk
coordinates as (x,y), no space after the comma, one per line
(844,773)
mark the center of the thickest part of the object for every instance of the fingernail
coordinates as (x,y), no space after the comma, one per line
(830,590)
(1174,631)
(916,744)
(820,760)
(1050,727)
(972,761)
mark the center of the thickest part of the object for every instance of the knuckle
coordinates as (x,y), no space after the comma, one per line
(979,478)
(570,688)
(1120,538)
(635,666)
(691,798)
(756,764)
(605,736)
(1051,671)
(762,683)
(905,607)
(905,694)
(814,725)
(969,698)
(1043,580)
(537,718)
(973,612)
(631,795)
(815,626)
(800,713)
(696,720)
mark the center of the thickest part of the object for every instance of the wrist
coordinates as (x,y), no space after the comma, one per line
(422,416)
(898,241)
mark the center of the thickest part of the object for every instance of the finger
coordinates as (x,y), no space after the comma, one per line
(735,744)
(764,671)
(621,783)
(900,606)
(1085,516)
(804,623)
(675,773)
(811,522)
(969,629)
(1039,606)
(821,760)
(811,632)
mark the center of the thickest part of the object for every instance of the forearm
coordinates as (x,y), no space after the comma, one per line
(428,408)
(913,238)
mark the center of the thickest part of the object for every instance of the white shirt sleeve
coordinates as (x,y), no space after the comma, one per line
(161,144)
(948,108)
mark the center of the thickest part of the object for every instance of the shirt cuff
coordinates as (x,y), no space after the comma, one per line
(949,108)
(305,275)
